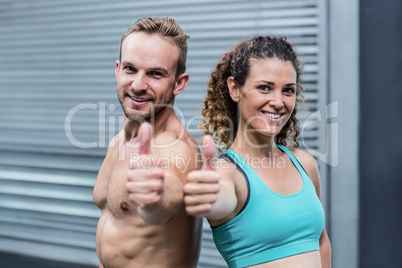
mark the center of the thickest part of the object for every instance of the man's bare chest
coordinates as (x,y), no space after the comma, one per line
(110,189)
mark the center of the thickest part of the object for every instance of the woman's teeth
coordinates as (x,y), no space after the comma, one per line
(274,116)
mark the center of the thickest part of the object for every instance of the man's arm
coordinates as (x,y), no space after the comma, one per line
(164,201)
(155,181)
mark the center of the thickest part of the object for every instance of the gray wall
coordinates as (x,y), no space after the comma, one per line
(380,155)
(343,34)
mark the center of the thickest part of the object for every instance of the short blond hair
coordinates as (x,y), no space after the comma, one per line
(167,27)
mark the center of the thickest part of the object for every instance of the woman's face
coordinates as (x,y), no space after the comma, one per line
(268,96)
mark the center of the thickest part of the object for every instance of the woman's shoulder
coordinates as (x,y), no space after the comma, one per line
(310,166)
(224,167)
(305,159)
(227,170)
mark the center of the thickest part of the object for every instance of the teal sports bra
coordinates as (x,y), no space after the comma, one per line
(270,226)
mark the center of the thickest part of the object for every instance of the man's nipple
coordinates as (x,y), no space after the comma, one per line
(124,206)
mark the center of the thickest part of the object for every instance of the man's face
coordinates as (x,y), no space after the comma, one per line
(146,75)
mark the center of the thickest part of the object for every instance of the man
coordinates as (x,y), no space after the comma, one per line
(140,184)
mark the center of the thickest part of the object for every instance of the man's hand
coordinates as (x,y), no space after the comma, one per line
(145,183)
(202,187)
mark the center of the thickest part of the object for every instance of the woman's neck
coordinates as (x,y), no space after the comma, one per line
(255,144)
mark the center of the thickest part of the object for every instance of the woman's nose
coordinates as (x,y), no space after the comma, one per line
(276,100)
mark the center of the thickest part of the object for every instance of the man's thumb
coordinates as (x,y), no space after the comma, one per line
(208,148)
(144,134)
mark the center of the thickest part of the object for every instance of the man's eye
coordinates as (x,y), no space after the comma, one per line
(156,74)
(129,69)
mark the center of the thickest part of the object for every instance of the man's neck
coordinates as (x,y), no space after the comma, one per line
(159,123)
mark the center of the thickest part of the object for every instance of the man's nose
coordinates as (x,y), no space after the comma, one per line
(140,82)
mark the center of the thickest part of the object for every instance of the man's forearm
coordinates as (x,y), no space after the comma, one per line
(172,200)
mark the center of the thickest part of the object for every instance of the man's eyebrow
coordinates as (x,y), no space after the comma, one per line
(126,63)
(159,69)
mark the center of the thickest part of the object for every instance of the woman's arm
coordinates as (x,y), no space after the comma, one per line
(325,250)
(210,191)
(311,167)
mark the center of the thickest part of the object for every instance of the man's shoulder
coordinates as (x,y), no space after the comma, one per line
(115,140)
(167,138)
(178,142)
(184,153)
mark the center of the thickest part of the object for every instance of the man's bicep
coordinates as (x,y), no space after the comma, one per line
(180,159)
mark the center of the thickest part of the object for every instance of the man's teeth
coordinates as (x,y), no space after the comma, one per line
(274,116)
(139,100)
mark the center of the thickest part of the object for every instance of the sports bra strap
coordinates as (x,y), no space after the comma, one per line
(294,160)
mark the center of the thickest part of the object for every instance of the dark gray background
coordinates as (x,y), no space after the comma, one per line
(380,152)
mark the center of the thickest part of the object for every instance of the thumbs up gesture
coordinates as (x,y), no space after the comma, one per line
(202,187)
(145,178)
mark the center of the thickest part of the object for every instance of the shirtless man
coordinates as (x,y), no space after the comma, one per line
(139,188)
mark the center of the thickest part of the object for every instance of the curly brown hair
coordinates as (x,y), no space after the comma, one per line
(220,112)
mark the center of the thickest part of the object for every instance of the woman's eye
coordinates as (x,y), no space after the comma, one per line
(263,88)
(289,90)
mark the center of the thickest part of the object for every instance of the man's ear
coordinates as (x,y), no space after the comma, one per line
(181,83)
(234,89)
(116,71)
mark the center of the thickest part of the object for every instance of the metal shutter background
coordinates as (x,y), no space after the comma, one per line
(57,58)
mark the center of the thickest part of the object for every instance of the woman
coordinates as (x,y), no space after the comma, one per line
(261,199)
